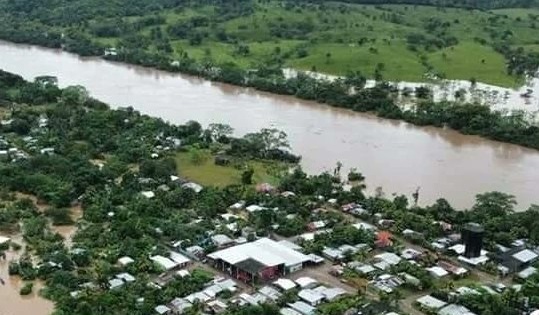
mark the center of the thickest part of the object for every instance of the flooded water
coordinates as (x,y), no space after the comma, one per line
(525,98)
(11,302)
(397,156)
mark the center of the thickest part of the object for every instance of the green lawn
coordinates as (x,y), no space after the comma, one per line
(356,37)
(400,63)
(477,61)
(205,172)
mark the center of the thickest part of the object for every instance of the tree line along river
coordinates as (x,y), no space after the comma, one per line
(394,155)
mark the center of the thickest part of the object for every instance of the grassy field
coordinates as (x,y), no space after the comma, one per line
(206,172)
(342,37)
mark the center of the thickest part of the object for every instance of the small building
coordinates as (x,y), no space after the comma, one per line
(455,309)
(162,310)
(221,240)
(198,297)
(115,283)
(303,308)
(270,292)
(4,240)
(195,252)
(126,260)
(164,262)
(288,311)
(333,254)
(389,258)
(193,186)
(180,306)
(285,284)
(527,272)
(148,194)
(437,272)
(364,226)
(311,296)
(217,306)
(306,282)
(180,260)
(316,225)
(330,294)
(431,303)
(410,254)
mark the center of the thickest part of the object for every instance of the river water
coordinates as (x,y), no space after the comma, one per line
(397,156)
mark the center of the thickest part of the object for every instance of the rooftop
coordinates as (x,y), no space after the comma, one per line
(303,308)
(306,282)
(311,296)
(285,284)
(264,251)
(430,302)
(454,309)
(525,256)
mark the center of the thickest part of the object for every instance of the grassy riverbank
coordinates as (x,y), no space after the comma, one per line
(396,42)
(203,170)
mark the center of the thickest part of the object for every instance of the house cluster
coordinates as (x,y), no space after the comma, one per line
(8,152)
(208,297)
(449,306)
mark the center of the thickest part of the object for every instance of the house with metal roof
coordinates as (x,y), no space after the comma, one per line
(263,259)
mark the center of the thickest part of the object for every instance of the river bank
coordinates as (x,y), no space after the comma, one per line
(394,155)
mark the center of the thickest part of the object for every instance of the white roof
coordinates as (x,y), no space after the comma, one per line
(454,309)
(290,245)
(474,261)
(161,309)
(389,258)
(164,262)
(307,236)
(228,216)
(148,194)
(330,293)
(525,256)
(198,296)
(126,260)
(254,299)
(461,248)
(315,258)
(288,311)
(311,296)
(4,239)
(365,269)
(115,283)
(254,208)
(410,253)
(227,284)
(306,282)
(178,258)
(430,302)
(437,271)
(364,226)
(183,273)
(303,308)
(458,248)
(221,239)
(264,250)
(285,284)
(270,292)
(126,277)
(526,273)
(382,265)
(181,304)
(194,186)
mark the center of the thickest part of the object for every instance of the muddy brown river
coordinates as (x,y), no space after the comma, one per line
(397,156)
